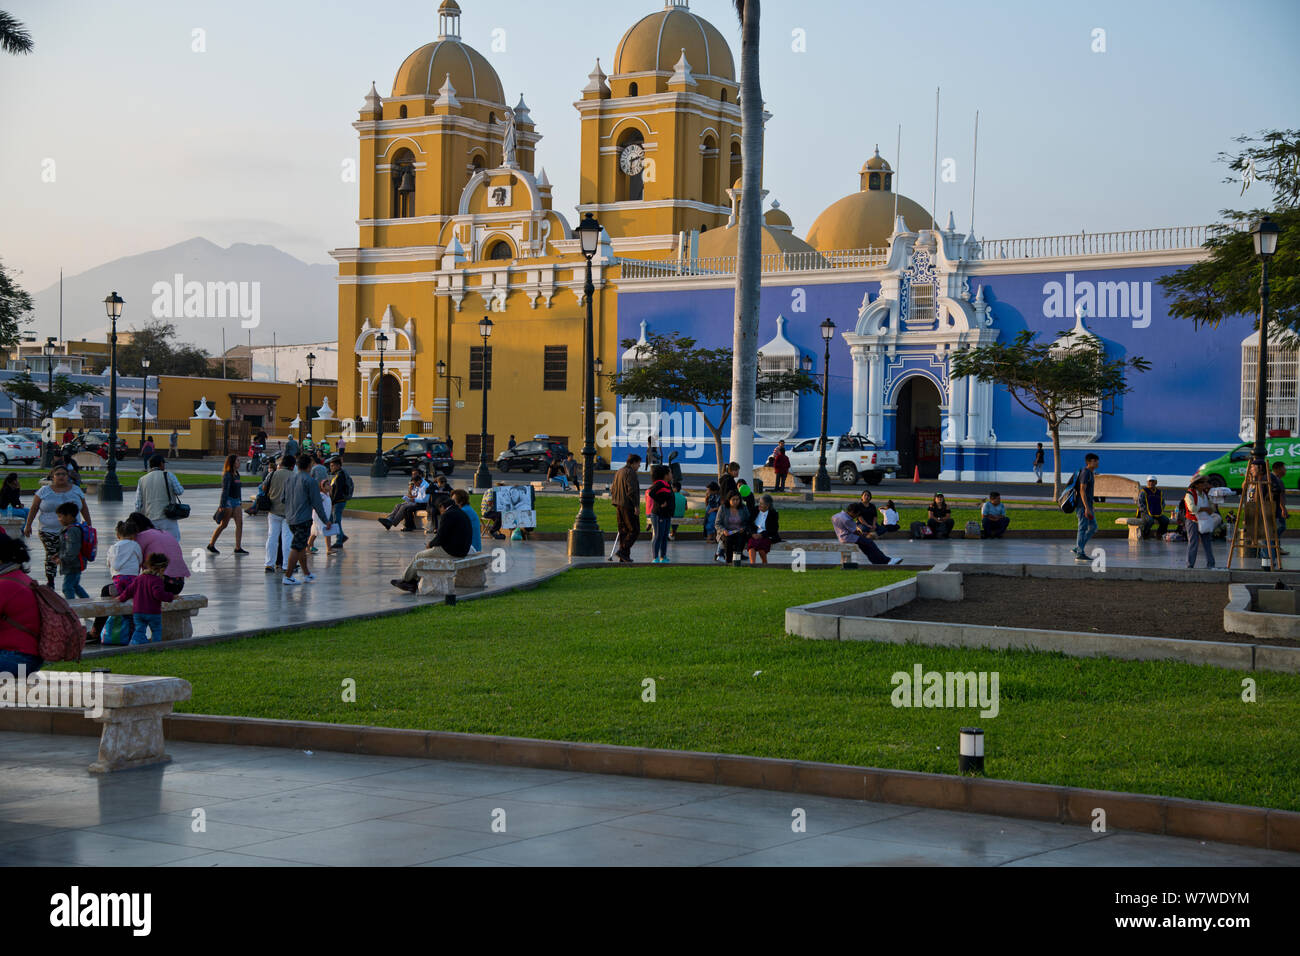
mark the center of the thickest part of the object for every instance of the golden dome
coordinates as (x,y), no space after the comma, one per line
(655,43)
(875,162)
(864,220)
(740,181)
(726,242)
(777,218)
(424,71)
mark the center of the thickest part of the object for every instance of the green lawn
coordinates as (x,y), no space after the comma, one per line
(566,661)
(30,480)
(555,513)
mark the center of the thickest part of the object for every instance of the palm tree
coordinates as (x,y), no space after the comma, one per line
(14,37)
(744,363)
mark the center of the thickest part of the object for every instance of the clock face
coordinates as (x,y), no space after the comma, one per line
(632,159)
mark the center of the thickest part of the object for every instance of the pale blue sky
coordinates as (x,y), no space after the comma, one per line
(153,143)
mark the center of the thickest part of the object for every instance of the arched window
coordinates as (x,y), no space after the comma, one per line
(402,176)
(631,167)
(873,181)
(724,96)
(401,111)
(889,181)
(1082,423)
(632,89)
(709,151)
(500,250)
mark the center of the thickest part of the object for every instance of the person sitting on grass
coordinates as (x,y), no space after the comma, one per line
(452,539)
(1151,508)
(847,525)
(767,530)
(993,517)
(888,520)
(939,517)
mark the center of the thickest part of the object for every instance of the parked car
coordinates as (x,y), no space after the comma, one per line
(97,442)
(535,455)
(1229,470)
(849,457)
(429,453)
(18,447)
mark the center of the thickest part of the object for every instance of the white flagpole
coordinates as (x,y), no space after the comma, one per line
(898,161)
(934,188)
(975,155)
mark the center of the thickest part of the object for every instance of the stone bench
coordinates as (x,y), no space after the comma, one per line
(130,708)
(444,576)
(176,614)
(1134,527)
(847,552)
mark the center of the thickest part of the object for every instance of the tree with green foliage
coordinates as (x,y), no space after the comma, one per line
(1227,282)
(672,368)
(40,394)
(156,341)
(15,304)
(1052,382)
(14,37)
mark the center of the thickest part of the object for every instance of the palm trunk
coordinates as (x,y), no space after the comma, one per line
(744,368)
(1056,459)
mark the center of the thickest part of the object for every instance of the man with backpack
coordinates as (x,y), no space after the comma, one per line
(341,489)
(73,543)
(1083,484)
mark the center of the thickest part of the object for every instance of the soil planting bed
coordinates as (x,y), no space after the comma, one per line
(1147,608)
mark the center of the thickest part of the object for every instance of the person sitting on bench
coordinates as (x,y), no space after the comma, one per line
(993,517)
(453,538)
(1151,508)
(415,499)
(847,527)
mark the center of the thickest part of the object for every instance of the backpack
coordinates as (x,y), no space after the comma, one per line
(919,530)
(62,636)
(1070,497)
(89,544)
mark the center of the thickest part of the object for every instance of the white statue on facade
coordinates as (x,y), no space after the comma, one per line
(508,141)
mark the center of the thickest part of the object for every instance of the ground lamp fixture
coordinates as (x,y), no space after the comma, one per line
(822,482)
(111,489)
(482,477)
(585,539)
(379,467)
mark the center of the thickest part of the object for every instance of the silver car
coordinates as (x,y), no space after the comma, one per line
(15,447)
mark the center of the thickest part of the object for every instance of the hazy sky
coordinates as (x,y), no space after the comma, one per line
(151,142)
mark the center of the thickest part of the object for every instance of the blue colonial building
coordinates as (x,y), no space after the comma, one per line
(905,296)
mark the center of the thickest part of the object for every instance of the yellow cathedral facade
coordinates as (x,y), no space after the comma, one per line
(456,223)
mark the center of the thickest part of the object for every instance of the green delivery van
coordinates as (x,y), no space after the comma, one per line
(1230,470)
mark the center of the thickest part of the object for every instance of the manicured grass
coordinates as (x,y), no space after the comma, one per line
(567,661)
(30,480)
(555,513)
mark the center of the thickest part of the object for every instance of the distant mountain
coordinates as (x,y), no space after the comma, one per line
(238,285)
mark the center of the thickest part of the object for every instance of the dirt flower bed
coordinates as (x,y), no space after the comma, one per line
(1193,611)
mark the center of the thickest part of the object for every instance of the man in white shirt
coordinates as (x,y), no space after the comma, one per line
(415,499)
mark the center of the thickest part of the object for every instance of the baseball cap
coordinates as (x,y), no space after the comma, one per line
(1151,478)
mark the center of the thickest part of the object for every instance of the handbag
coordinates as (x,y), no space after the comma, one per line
(175,510)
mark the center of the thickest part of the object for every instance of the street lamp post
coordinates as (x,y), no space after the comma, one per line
(482,477)
(822,482)
(47,455)
(585,539)
(144,406)
(379,467)
(442,373)
(1265,234)
(311,367)
(110,489)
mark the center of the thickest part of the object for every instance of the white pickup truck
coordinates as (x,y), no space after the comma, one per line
(848,457)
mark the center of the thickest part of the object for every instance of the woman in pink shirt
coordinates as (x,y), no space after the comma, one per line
(153,541)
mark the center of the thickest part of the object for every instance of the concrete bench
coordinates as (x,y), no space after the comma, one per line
(444,576)
(130,708)
(1114,486)
(847,552)
(1134,527)
(176,614)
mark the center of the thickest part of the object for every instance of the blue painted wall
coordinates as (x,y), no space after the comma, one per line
(1191,395)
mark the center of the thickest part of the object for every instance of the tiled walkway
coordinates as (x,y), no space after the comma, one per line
(267,807)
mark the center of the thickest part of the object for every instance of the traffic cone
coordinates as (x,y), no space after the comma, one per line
(916,475)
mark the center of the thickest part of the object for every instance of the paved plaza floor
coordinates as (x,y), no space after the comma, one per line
(270,807)
(243,598)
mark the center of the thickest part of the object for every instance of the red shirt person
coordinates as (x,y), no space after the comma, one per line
(20,618)
(781,465)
